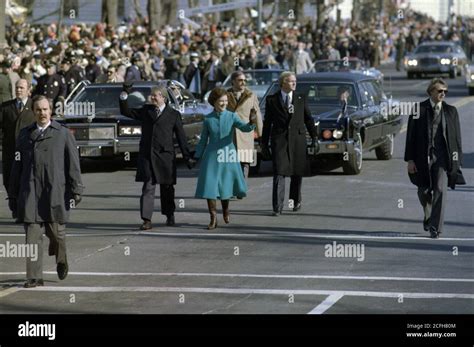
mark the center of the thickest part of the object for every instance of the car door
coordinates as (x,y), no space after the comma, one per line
(373,120)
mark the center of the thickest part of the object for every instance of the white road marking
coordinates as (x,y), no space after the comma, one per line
(410,295)
(419,84)
(463,101)
(196,274)
(326,304)
(270,234)
(104,248)
(8,291)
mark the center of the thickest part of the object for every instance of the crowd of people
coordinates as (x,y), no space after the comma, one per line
(54,59)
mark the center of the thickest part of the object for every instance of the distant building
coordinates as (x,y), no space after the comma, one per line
(440,9)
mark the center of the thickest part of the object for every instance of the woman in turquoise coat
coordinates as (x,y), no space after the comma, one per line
(220,174)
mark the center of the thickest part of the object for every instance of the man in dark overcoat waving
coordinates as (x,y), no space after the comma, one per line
(157,158)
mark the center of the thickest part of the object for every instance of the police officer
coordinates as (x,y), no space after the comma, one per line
(52,85)
(72,73)
(92,69)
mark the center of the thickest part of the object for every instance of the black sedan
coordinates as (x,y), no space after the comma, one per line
(92,114)
(368,121)
(436,57)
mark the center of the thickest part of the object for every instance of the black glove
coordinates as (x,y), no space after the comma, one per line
(266,154)
(315,145)
(77,199)
(127,87)
(191,163)
(12,205)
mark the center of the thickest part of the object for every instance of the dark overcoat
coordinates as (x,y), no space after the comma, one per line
(46,175)
(286,131)
(11,122)
(157,157)
(417,143)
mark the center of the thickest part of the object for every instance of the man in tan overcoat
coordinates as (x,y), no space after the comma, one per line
(243,102)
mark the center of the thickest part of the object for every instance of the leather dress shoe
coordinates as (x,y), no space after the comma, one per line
(146,225)
(426,224)
(62,269)
(170,220)
(276,213)
(32,283)
(434,234)
(297,207)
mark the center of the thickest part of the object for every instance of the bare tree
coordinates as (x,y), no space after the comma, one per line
(2,22)
(154,15)
(299,5)
(138,11)
(193,3)
(109,12)
(320,9)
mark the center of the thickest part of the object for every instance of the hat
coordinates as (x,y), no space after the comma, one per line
(66,61)
(47,64)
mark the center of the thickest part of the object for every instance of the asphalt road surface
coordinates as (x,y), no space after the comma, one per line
(259,263)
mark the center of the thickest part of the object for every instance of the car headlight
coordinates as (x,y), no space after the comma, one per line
(445,61)
(105,133)
(412,62)
(472,77)
(327,134)
(337,134)
(130,131)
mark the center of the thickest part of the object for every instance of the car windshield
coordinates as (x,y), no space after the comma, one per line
(337,65)
(108,97)
(322,93)
(257,78)
(434,49)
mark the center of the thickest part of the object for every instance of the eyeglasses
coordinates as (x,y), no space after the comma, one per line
(241,80)
(445,91)
(110,72)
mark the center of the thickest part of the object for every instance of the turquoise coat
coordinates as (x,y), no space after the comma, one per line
(220,174)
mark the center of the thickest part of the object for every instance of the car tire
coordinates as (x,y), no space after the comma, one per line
(471,90)
(353,165)
(410,75)
(452,74)
(385,150)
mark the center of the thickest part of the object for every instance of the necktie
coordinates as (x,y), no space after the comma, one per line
(344,106)
(287,101)
(437,110)
(20,106)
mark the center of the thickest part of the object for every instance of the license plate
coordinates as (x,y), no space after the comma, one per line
(332,146)
(90,152)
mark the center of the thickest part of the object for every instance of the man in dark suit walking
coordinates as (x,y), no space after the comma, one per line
(434,154)
(15,114)
(286,115)
(157,159)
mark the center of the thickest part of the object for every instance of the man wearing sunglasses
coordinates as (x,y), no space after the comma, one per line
(244,102)
(434,154)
